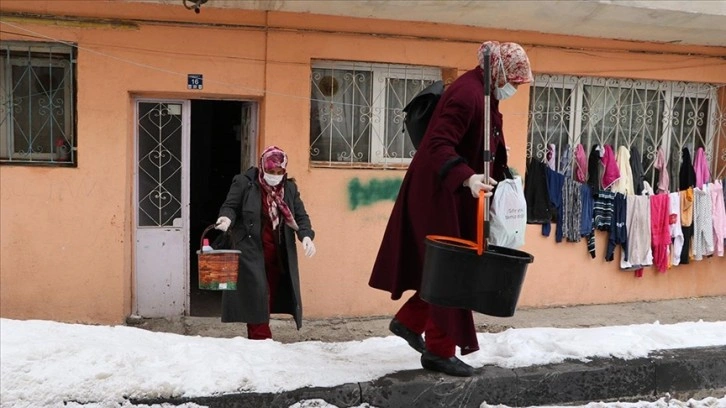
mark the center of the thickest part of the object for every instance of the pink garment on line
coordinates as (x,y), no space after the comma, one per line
(660,230)
(663,179)
(719,217)
(610,173)
(580,164)
(700,166)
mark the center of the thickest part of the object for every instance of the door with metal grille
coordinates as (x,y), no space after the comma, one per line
(162,207)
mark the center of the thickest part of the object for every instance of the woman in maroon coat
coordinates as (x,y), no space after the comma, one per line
(437,197)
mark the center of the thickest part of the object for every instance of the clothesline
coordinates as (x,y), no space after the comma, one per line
(658,228)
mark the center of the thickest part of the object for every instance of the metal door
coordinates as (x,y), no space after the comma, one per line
(162,207)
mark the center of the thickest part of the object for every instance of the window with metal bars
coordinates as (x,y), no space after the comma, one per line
(645,115)
(356,113)
(37,103)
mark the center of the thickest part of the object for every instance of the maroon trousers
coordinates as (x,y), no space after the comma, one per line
(261,331)
(415,314)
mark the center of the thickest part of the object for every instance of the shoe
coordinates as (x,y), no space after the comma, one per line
(414,340)
(451,366)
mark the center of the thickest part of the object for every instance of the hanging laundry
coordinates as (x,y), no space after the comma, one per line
(624,185)
(700,167)
(587,227)
(555,181)
(593,169)
(602,214)
(571,210)
(686,223)
(611,173)
(618,230)
(702,223)
(566,162)
(580,173)
(552,156)
(660,230)
(647,189)
(636,167)
(718,216)
(660,164)
(535,193)
(686,174)
(637,221)
(676,229)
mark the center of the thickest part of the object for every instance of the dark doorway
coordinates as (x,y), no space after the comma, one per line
(218,138)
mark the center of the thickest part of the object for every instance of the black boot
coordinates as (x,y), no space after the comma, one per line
(451,366)
(414,340)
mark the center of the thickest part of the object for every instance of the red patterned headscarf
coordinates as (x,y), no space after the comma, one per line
(510,56)
(274,158)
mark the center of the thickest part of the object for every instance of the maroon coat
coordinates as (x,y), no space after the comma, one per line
(433,200)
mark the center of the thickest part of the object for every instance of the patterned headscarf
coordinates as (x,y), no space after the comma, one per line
(274,158)
(513,59)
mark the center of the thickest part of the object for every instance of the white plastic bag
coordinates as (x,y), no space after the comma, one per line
(508,214)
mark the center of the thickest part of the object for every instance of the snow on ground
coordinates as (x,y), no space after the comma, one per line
(44,363)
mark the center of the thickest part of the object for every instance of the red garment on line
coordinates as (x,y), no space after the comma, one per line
(660,230)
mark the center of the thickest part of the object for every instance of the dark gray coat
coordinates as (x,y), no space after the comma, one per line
(249,303)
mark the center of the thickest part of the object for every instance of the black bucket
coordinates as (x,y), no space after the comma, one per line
(454,275)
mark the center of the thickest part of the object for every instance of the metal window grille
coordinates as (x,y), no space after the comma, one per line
(646,115)
(356,113)
(37,103)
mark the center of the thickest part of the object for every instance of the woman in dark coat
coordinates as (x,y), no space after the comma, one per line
(437,197)
(264,210)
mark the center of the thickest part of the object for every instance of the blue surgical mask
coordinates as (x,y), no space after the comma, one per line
(504,92)
(273,179)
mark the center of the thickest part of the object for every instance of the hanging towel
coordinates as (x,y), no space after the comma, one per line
(686,174)
(580,173)
(636,167)
(663,185)
(676,230)
(624,185)
(660,230)
(611,173)
(637,220)
(719,217)
(700,166)
(702,223)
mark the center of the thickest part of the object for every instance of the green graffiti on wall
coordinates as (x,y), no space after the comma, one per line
(360,194)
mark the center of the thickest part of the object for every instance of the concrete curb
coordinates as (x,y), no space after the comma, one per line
(669,371)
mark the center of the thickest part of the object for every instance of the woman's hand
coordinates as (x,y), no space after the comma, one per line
(223,223)
(476,183)
(308,246)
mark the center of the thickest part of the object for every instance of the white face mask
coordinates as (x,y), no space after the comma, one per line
(507,91)
(273,179)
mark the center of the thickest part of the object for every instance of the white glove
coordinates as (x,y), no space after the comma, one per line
(476,183)
(223,223)
(309,247)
